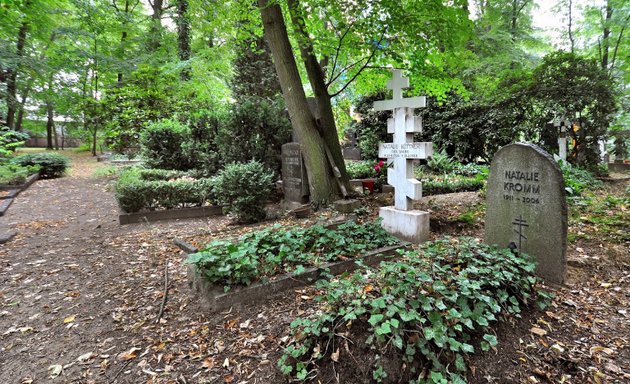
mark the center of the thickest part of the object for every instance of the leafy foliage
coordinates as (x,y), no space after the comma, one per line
(161,145)
(11,140)
(371,129)
(51,165)
(256,129)
(361,169)
(262,254)
(427,311)
(138,189)
(578,180)
(244,188)
(14,174)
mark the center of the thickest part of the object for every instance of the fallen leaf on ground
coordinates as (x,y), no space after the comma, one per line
(55,370)
(130,354)
(538,331)
(69,319)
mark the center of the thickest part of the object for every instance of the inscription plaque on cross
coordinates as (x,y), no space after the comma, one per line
(402,151)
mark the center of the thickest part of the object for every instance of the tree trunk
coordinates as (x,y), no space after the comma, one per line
(606,36)
(12,78)
(155,37)
(20,115)
(50,125)
(318,83)
(183,36)
(323,188)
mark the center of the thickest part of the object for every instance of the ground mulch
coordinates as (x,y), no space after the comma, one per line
(81,297)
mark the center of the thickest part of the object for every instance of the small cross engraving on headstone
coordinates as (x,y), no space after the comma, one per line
(403,150)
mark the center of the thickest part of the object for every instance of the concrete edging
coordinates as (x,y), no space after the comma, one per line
(214,297)
(14,191)
(169,214)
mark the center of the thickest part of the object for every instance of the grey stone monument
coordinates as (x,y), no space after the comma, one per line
(527,209)
(294,178)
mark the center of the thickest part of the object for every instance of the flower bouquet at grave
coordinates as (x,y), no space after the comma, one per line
(380,169)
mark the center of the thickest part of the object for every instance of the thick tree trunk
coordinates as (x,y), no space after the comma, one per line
(318,83)
(12,102)
(323,187)
(183,36)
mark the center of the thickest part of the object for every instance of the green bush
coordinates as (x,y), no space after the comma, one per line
(256,130)
(11,140)
(425,312)
(272,251)
(14,174)
(52,165)
(244,188)
(162,145)
(437,185)
(441,163)
(139,189)
(362,169)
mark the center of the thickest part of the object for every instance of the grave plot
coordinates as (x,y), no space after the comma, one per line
(153,194)
(265,263)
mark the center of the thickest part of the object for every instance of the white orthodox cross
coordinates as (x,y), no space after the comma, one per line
(562,137)
(403,150)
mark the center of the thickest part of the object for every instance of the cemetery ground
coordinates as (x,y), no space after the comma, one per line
(82,299)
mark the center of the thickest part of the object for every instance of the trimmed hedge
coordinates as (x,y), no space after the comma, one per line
(151,189)
(52,165)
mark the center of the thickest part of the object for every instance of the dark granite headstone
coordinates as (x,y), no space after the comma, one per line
(526,207)
(294,178)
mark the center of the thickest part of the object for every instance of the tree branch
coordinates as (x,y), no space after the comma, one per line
(332,73)
(625,23)
(362,67)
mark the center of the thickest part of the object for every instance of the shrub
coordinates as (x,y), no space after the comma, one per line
(441,163)
(360,169)
(256,130)
(272,251)
(14,174)
(11,140)
(52,165)
(452,184)
(372,128)
(244,188)
(139,189)
(161,145)
(425,312)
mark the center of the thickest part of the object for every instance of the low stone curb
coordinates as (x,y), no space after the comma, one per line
(7,236)
(169,214)
(4,205)
(27,183)
(14,191)
(215,299)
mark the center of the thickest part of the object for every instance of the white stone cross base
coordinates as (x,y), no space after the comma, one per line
(411,226)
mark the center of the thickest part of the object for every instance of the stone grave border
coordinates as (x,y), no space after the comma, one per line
(14,191)
(215,299)
(169,214)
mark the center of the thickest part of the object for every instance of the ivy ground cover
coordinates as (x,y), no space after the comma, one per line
(416,319)
(260,255)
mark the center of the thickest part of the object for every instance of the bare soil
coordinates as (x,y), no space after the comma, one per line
(81,296)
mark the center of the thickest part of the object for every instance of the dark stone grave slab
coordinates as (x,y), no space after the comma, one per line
(294,178)
(527,209)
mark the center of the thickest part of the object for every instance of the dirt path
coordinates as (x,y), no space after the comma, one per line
(74,284)
(80,296)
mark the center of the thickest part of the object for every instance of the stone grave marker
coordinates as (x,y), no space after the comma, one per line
(400,220)
(527,209)
(294,178)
